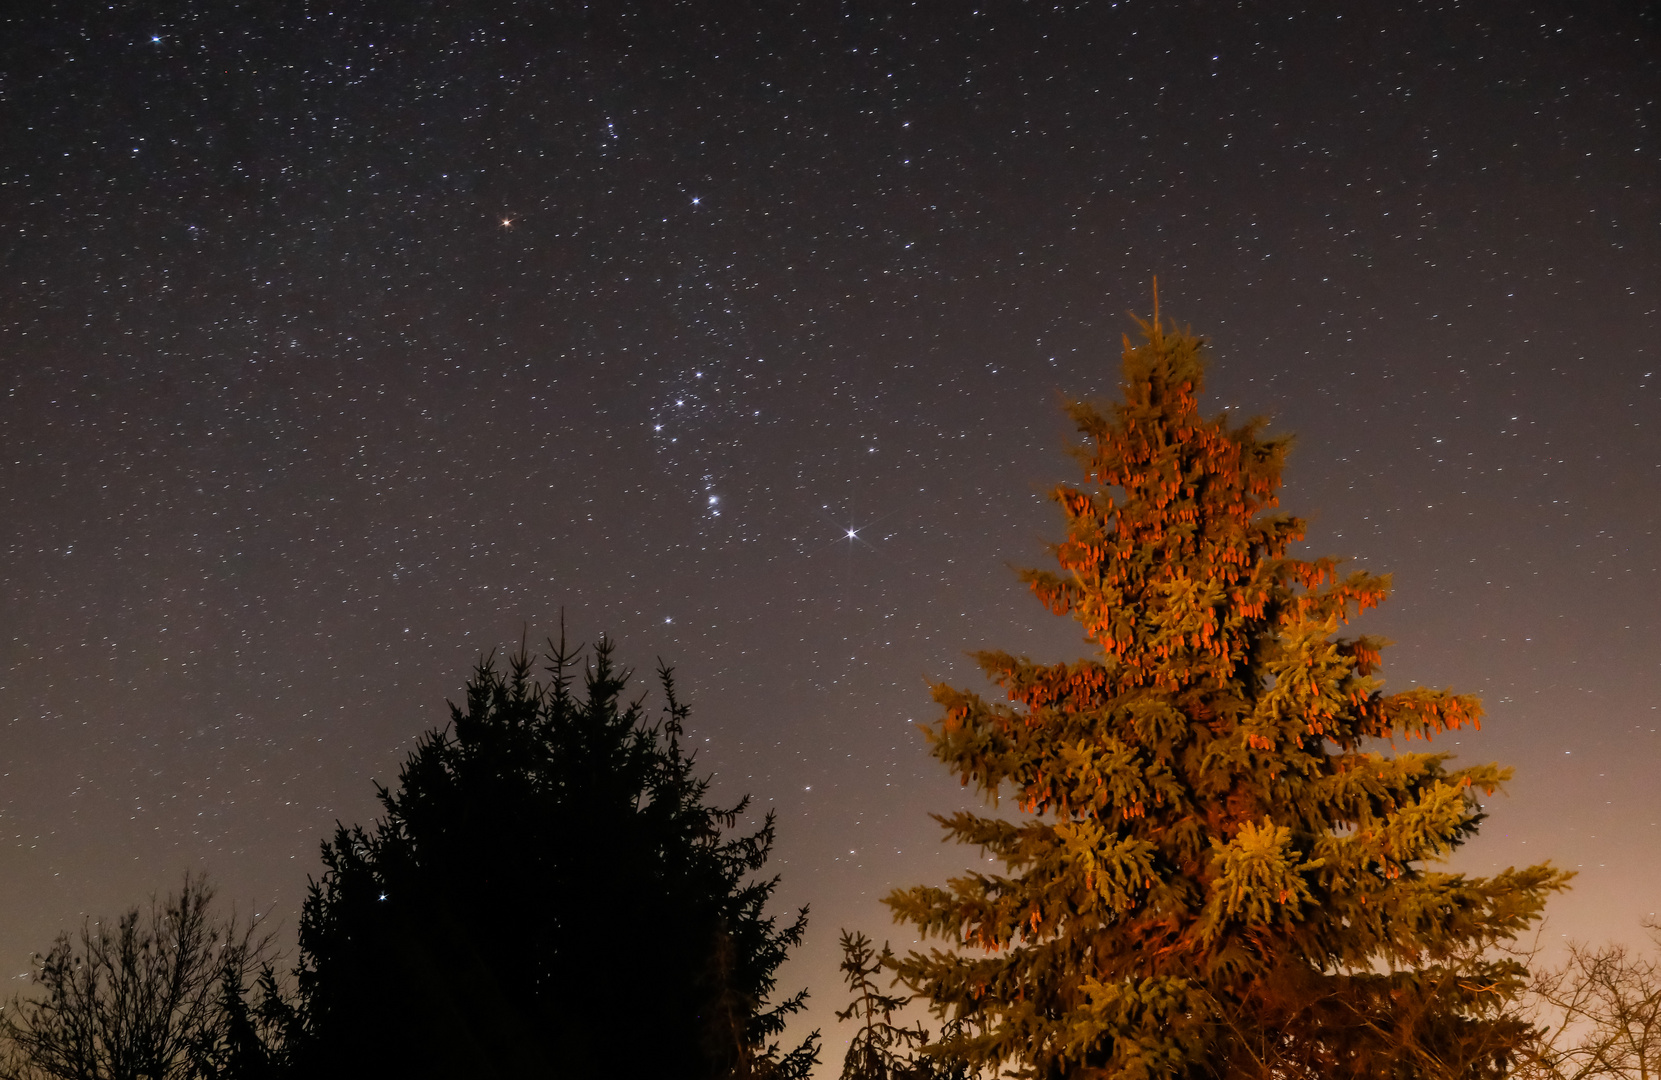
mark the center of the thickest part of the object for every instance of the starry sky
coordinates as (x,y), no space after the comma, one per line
(342,343)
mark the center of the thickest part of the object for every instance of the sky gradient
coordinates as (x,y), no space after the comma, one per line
(342,344)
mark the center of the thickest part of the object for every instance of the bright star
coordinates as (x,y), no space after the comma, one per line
(507,223)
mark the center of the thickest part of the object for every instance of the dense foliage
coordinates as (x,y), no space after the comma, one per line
(1215,870)
(548,893)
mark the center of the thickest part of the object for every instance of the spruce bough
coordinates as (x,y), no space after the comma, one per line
(1216,870)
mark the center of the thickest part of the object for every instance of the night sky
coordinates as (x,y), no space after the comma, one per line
(341,344)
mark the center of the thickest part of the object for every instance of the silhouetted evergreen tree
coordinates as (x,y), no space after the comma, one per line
(882,1049)
(1213,872)
(548,894)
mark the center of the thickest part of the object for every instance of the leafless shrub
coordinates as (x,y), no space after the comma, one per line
(1599,1015)
(157,995)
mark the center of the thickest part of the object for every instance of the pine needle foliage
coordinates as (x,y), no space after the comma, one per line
(882,1049)
(548,883)
(1218,868)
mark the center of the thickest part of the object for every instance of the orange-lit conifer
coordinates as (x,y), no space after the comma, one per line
(1218,869)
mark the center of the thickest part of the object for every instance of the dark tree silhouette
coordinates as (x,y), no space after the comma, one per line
(548,894)
(1599,1015)
(156,995)
(1211,869)
(882,1049)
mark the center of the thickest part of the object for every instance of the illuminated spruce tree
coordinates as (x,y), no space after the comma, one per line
(1221,865)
